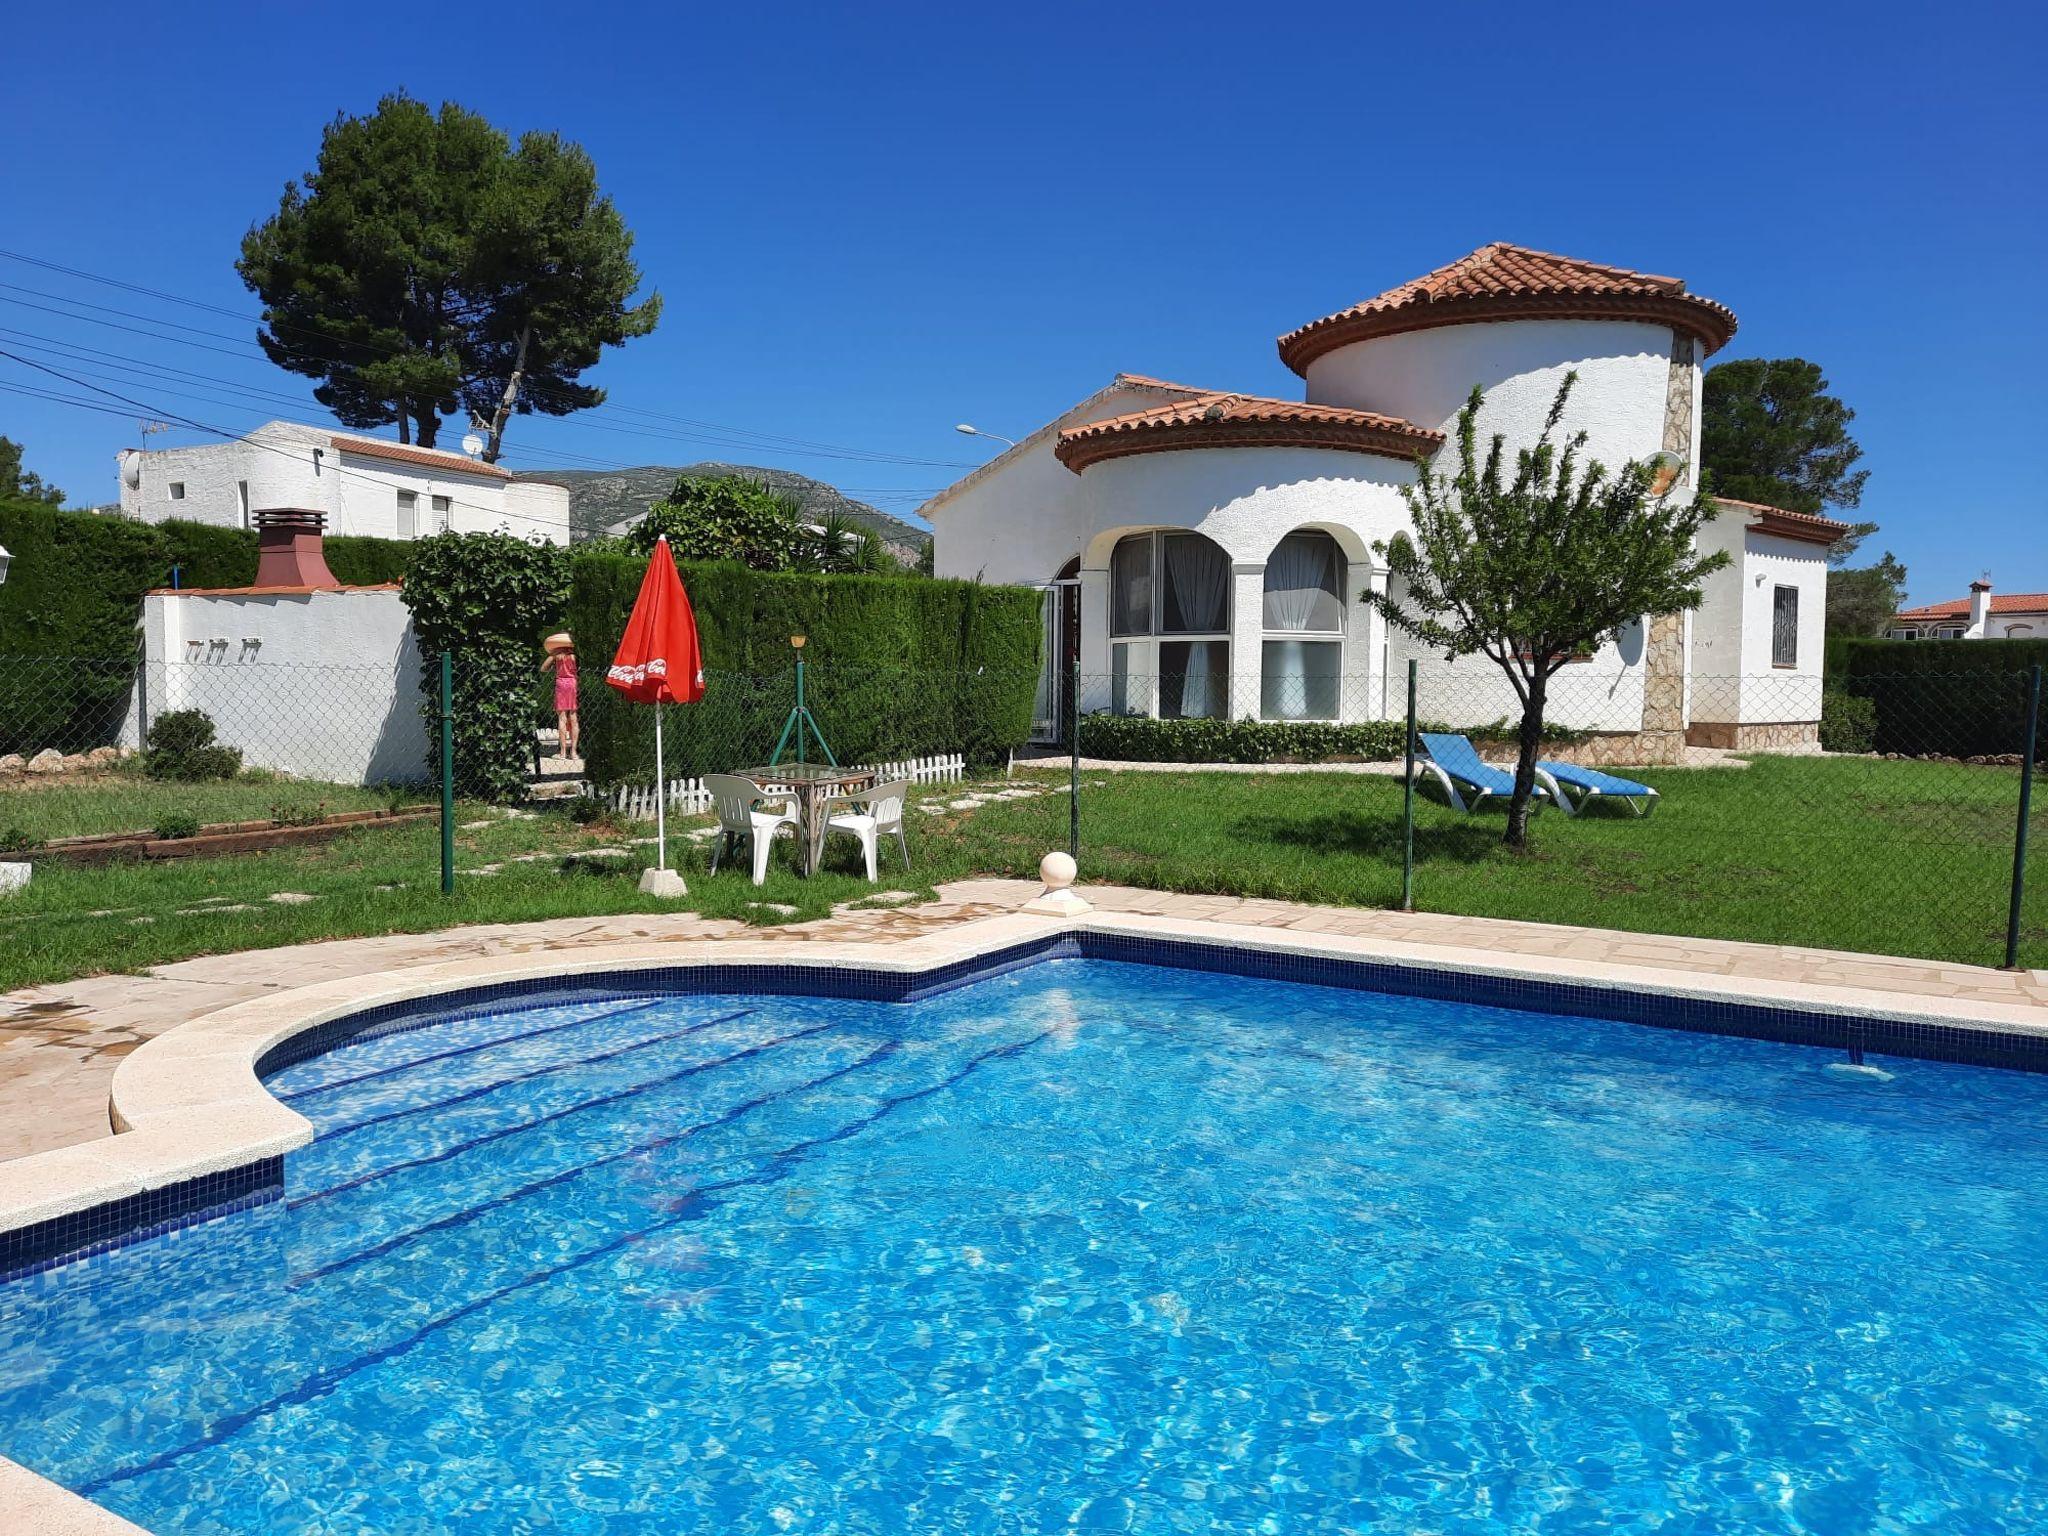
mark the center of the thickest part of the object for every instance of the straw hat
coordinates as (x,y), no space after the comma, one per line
(559,641)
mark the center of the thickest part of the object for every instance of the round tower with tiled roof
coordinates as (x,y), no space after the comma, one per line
(1514,322)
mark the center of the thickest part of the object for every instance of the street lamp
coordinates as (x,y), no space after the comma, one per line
(974,431)
(5,560)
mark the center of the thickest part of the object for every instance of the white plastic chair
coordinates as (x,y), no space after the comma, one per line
(746,810)
(882,814)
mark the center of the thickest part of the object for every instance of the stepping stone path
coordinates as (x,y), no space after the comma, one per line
(209,911)
(291,898)
(780,908)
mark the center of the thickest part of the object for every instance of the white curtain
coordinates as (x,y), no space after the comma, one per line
(1302,590)
(1194,688)
(1197,584)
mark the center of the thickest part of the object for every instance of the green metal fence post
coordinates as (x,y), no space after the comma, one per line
(1408,804)
(2019,841)
(1074,760)
(447,773)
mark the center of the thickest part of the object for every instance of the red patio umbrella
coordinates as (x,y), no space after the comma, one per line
(659,661)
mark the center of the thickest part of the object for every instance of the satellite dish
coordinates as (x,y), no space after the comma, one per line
(472,444)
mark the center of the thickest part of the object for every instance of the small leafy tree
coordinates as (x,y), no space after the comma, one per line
(726,517)
(488,598)
(1534,567)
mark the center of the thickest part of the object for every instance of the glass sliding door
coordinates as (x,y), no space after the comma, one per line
(1301,662)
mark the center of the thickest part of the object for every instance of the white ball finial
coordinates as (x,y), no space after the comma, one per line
(1057,870)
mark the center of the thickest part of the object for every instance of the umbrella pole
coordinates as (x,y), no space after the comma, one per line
(660,793)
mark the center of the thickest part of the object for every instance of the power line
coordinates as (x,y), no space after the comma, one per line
(736,436)
(224,434)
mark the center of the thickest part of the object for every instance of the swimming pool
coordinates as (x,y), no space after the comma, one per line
(1092,1246)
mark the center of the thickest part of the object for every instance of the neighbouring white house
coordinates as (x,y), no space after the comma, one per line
(364,485)
(1203,550)
(1980,616)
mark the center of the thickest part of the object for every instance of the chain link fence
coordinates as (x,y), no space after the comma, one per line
(1882,813)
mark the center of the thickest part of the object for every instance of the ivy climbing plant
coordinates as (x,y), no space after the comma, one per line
(486,599)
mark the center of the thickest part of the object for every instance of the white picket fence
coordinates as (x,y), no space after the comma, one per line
(689,797)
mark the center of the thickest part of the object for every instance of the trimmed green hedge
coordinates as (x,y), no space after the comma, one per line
(895,668)
(74,592)
(1137,739)
(1944,698)
(75,587)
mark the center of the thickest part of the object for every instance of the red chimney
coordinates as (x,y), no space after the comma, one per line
(288,549)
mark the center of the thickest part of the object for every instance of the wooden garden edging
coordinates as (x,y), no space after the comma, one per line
(219,838)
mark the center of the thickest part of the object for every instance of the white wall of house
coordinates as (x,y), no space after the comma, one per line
(1022,516)
(285,464)
(1734,675)
(1425,376)
(1602,693)
(323,685)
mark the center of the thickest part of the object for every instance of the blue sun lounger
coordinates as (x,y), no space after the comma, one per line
(1453,762)
(1591,784)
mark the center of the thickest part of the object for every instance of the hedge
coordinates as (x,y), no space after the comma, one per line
(75,587)
(1139,739)
(73,595)
(1944,698)
(895,668)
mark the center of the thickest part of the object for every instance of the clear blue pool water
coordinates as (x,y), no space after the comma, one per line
(1091,1247)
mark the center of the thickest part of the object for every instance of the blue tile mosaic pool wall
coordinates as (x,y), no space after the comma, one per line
(65,1239)
(139,1217)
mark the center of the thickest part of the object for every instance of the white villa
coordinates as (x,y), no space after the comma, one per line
(1980,616)
(1202,550)
(364,485)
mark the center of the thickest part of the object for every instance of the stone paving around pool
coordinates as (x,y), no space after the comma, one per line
(59,1045)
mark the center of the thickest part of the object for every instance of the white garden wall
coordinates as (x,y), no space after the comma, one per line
(323,685)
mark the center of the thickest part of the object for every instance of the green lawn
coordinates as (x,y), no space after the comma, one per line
(1903,858)
(123,799)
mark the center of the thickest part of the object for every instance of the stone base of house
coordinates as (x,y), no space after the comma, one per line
(1617,749)
(1770,736)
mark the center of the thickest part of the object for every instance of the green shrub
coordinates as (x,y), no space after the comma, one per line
(1848,722)
(288,813)
(586,810)
(181,745)
(487,598)
(173,827)
(16,840)
(897,668)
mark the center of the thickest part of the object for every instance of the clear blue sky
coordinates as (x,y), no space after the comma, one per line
(871,222)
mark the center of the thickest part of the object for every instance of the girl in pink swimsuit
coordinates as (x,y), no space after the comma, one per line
(568,730)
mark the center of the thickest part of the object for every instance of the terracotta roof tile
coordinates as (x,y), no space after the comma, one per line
(427,458)
(1787,524)
(1219,420)
(1511,282)
(1959,607)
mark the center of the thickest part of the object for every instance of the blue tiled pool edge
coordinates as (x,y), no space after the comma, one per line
(135,1218)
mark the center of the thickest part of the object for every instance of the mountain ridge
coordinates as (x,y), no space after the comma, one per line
(608,501)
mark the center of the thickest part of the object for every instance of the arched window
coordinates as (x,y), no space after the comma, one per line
(1169,622)
(1302,665)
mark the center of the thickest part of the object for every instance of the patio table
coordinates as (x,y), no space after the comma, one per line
(813,784)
